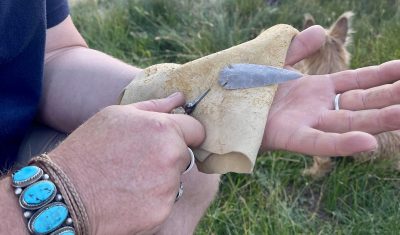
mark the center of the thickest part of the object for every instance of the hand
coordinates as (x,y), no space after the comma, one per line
(302,117)
(126,162)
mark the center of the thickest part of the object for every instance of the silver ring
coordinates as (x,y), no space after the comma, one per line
(336,102)
(180,192)
(191,164)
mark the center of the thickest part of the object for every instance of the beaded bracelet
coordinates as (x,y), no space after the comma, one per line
(43,207)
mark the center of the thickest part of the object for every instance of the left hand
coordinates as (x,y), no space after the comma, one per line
(302,116)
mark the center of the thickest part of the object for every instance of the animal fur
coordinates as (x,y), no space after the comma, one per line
(334,57)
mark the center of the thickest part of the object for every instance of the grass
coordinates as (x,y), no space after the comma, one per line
(355,198)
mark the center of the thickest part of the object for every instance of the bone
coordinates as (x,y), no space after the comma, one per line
(234,120)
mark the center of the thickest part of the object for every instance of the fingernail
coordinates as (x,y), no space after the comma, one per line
(173,95)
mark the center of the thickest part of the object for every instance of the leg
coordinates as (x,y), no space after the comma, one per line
(199,191)
(40,139)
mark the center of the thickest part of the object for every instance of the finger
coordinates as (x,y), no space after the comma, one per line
(373,98)
(373,121)
(314,142)
(184,159)
(165,105)
(305,44)
(367,77)
(192,131)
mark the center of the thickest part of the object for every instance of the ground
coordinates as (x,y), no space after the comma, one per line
(276,199)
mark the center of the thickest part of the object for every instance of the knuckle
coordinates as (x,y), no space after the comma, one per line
(349,119)
(170,146)
(390,119)
(161,214)
(110,110)
(396,92)
(169,157)
(152,104)
(162,125)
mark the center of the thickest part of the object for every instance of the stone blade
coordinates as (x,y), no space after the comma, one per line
(242,76)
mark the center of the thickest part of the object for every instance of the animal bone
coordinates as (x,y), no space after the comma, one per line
(234,120)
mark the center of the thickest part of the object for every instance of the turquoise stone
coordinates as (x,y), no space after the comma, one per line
(64,231)
(25,173)
(38,193)
(49,218)
(67,233)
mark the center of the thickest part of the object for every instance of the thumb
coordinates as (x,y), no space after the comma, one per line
(305,44)
(165,105)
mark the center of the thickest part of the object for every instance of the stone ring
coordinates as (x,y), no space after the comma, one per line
(336,102)
(191,164)
(180,192)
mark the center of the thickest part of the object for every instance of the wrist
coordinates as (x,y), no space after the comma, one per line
(12,220)
(80,180)
(95,189)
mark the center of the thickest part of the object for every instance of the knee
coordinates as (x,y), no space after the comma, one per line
(200,187)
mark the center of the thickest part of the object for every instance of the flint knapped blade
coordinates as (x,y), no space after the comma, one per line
(242,76)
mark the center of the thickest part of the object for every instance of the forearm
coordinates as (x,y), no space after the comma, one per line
(78,82)
(11,218)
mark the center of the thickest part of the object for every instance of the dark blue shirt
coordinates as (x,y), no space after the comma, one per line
(23,27)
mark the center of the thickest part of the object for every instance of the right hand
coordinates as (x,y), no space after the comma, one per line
(126,163)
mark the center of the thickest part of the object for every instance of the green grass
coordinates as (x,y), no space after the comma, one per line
(355,198)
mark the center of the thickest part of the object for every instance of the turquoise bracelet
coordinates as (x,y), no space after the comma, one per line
(43,206)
